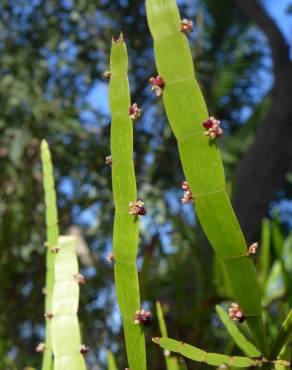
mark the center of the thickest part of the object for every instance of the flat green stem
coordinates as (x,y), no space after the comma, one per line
(213,359)
(284,336)
(52,238)
(201,160)
(248,348)
(111,361)
(171,362)
(66,338)
(126,227)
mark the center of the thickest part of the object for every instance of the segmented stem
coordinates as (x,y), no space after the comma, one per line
(213,359)
(52,238)
(66,339)
(126,226)
(201,161)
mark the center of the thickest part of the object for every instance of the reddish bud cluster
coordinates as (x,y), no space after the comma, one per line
(253,249)
(134,111)
(143,317)
(40,347)
(188,196)
(84,349)
(54,249)
(235,313)
(212,127)
(137,208)
(80,279)
(110,257)
(157,85)
(109,160)
(186,26)
(49,316)
(107,75)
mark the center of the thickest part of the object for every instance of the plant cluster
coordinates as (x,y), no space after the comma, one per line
(196,133)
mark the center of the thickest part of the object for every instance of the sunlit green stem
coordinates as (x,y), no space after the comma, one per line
(52,238)
(66,339)
(126,226)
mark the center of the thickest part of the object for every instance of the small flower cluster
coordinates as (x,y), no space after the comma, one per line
(107,75)
(109,160)
(80,279)
(137,208)
(157,85)
(84,349)
(40,347)
(110,257)
(143,317)
(49,316)
(235,313)
(186,26)
(188,196)
(253,249)
(212,127)
(54,249)
(134,111)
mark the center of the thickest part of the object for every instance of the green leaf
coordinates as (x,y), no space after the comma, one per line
(126,227)
(111,361)
(52,239)
(66,338)
(248,348)
(186,110)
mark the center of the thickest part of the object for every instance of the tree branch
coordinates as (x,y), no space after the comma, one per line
(261,172)
(255,12)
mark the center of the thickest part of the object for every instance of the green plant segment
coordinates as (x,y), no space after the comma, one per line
(201,161)
(248,348)
(213,359)
(284,336)
(66,341)
(171,362)
(52,238)
(111,361)
(265,252)
(126,227)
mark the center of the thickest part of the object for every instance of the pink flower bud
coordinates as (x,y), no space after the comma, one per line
(134,111)
(157,85)
(212,127)
(188,196)
(137,208)
(235,313)
(253,249)
(84,349)
(143,317)
(186,26)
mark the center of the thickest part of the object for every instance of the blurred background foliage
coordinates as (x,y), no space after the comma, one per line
(53,54)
